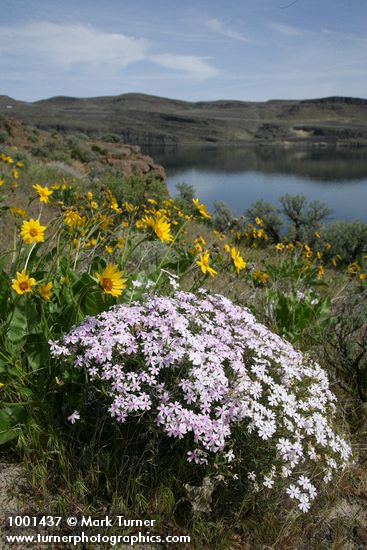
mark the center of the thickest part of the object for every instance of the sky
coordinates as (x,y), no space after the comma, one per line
(195,50)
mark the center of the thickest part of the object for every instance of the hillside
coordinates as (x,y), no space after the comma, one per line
(86,156)
(149,120)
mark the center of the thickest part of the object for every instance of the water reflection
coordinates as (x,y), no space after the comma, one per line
(239,176)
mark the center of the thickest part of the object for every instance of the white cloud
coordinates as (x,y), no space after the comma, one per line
(196,67)
(217,26)
(288,30)
(65,46)
(46,46)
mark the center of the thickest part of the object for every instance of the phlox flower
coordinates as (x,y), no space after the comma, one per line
(198,367)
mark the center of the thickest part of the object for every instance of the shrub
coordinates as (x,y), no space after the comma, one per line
(133,189)
(223,216)
(201,371)
(305,218)
(267,212)
(111,138)
(347,239)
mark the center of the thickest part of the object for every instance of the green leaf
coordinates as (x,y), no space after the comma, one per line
(4,293)
(37,351)
(11,420)
(95,303)
(18,327)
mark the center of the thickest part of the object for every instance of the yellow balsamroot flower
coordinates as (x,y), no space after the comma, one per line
(20,164)
(108,249)
(362,276)
(160,226)
(238,261)
(23,283)
(2,385)
(15,173)
(260,277)
(200,240)
(32,231)
(227,248)
(203,263)
(1,182)
(14,185)
(18,212)
(45,291)
(290,246)
(353,268)
(201,208)
(196,249)
(43,193)
(259,221)
(307,251)
(320,272)
(111,281)
(120,242)
(89,195)
(114,206)
(280,246)
(72,218)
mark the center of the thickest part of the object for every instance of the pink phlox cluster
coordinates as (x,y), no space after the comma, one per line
(201,365)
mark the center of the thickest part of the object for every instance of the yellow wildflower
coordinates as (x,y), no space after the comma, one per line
(1,182)
(238,261)
(353,268)
(72,218)
(227,248)
(108,249)
(32,231)
(260,276)
(111,281)
(18,212)
(363,276)
(23,283)
(45,291)
(320,272)
(259,221)
(160,226)
(280,246)
(201,208)
(120,242)
(114,206)
(43,193)
(203,263)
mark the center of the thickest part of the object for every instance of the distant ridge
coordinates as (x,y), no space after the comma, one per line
(150,120)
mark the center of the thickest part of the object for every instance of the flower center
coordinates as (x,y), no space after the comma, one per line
(23,285)
(33,232)
(107,283)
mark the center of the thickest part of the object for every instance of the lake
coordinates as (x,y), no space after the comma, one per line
(240,176)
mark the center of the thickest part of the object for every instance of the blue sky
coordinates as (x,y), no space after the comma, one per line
(193,50)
